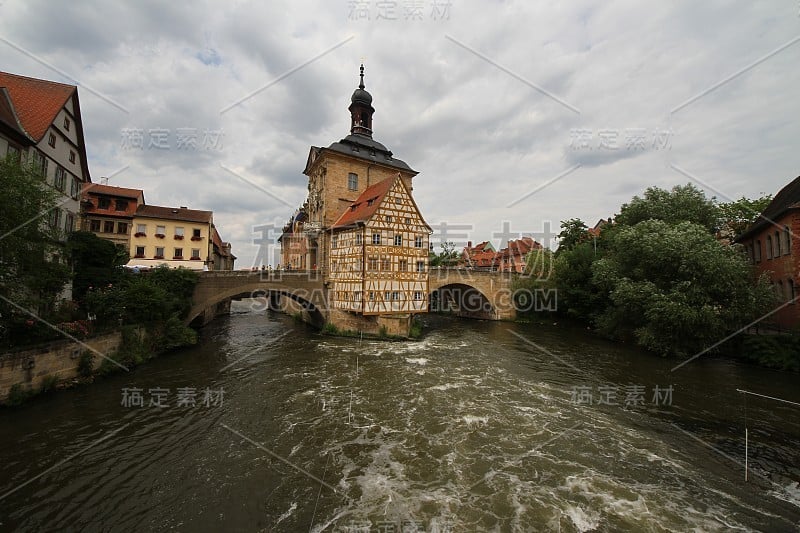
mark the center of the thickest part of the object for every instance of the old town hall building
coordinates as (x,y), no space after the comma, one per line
(360,228)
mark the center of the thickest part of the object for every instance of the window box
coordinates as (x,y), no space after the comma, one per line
(139,256)
(178,237)
(160,235)
(195,258)
(197,238)
(140,234)
(178,257)
(158,257)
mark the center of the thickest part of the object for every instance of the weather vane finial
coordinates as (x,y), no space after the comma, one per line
(361,85)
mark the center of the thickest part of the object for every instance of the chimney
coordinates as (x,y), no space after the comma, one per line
(469,245)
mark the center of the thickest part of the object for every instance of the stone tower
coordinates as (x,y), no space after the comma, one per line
(337,175)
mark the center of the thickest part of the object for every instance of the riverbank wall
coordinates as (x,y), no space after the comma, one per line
(47,365)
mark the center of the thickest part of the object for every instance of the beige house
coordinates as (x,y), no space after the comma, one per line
(176,237)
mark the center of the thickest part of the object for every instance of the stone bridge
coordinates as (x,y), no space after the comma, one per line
(462,292)
(216,289)
(471,293)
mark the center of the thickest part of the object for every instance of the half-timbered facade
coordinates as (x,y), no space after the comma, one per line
(379,253)
(360,229)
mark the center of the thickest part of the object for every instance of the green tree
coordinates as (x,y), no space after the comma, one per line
(32,270)
(736,216)
(573,232)
(578,297)
(447,257)
(144,298)
(684,203)
(96,262)
(674,289)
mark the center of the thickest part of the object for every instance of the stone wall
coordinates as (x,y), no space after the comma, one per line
(30,367)
(398,325)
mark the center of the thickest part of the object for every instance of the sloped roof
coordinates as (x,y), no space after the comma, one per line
(220,244)
(365,205)
(96,188)
(360,147)
(37,102)
(174,213)
(520,247)
(788,198)
(8,117)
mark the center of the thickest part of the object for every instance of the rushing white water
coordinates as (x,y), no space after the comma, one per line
(469,429)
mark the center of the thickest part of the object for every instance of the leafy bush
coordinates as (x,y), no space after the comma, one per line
(176,334)
(86,364)
(144,298)
(674,288)
(49,383)
(774,351)
(18,394)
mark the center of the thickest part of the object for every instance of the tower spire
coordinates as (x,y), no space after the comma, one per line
(361,109)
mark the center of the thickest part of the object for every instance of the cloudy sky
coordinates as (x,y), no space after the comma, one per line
(517,114)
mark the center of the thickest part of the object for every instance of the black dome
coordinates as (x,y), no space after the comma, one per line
(361,96)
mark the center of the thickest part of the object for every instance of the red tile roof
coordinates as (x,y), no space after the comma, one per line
(123,192)
(37,102)
(9,117)
(520,247)
(220,244)
(174,213)
(365,206)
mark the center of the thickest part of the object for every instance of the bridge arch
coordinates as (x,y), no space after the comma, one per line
(463,300)
(474,293)
(305,301)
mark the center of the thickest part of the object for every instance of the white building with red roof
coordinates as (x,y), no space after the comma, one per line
(41,120)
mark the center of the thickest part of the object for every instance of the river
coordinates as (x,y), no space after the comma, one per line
(478,426)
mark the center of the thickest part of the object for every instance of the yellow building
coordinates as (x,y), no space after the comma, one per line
(176,237)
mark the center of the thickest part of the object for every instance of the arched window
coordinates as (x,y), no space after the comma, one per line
(758,251)
(769,247)
(790,290)
(787,240)
(777,244)
(751,252)
(779,290)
